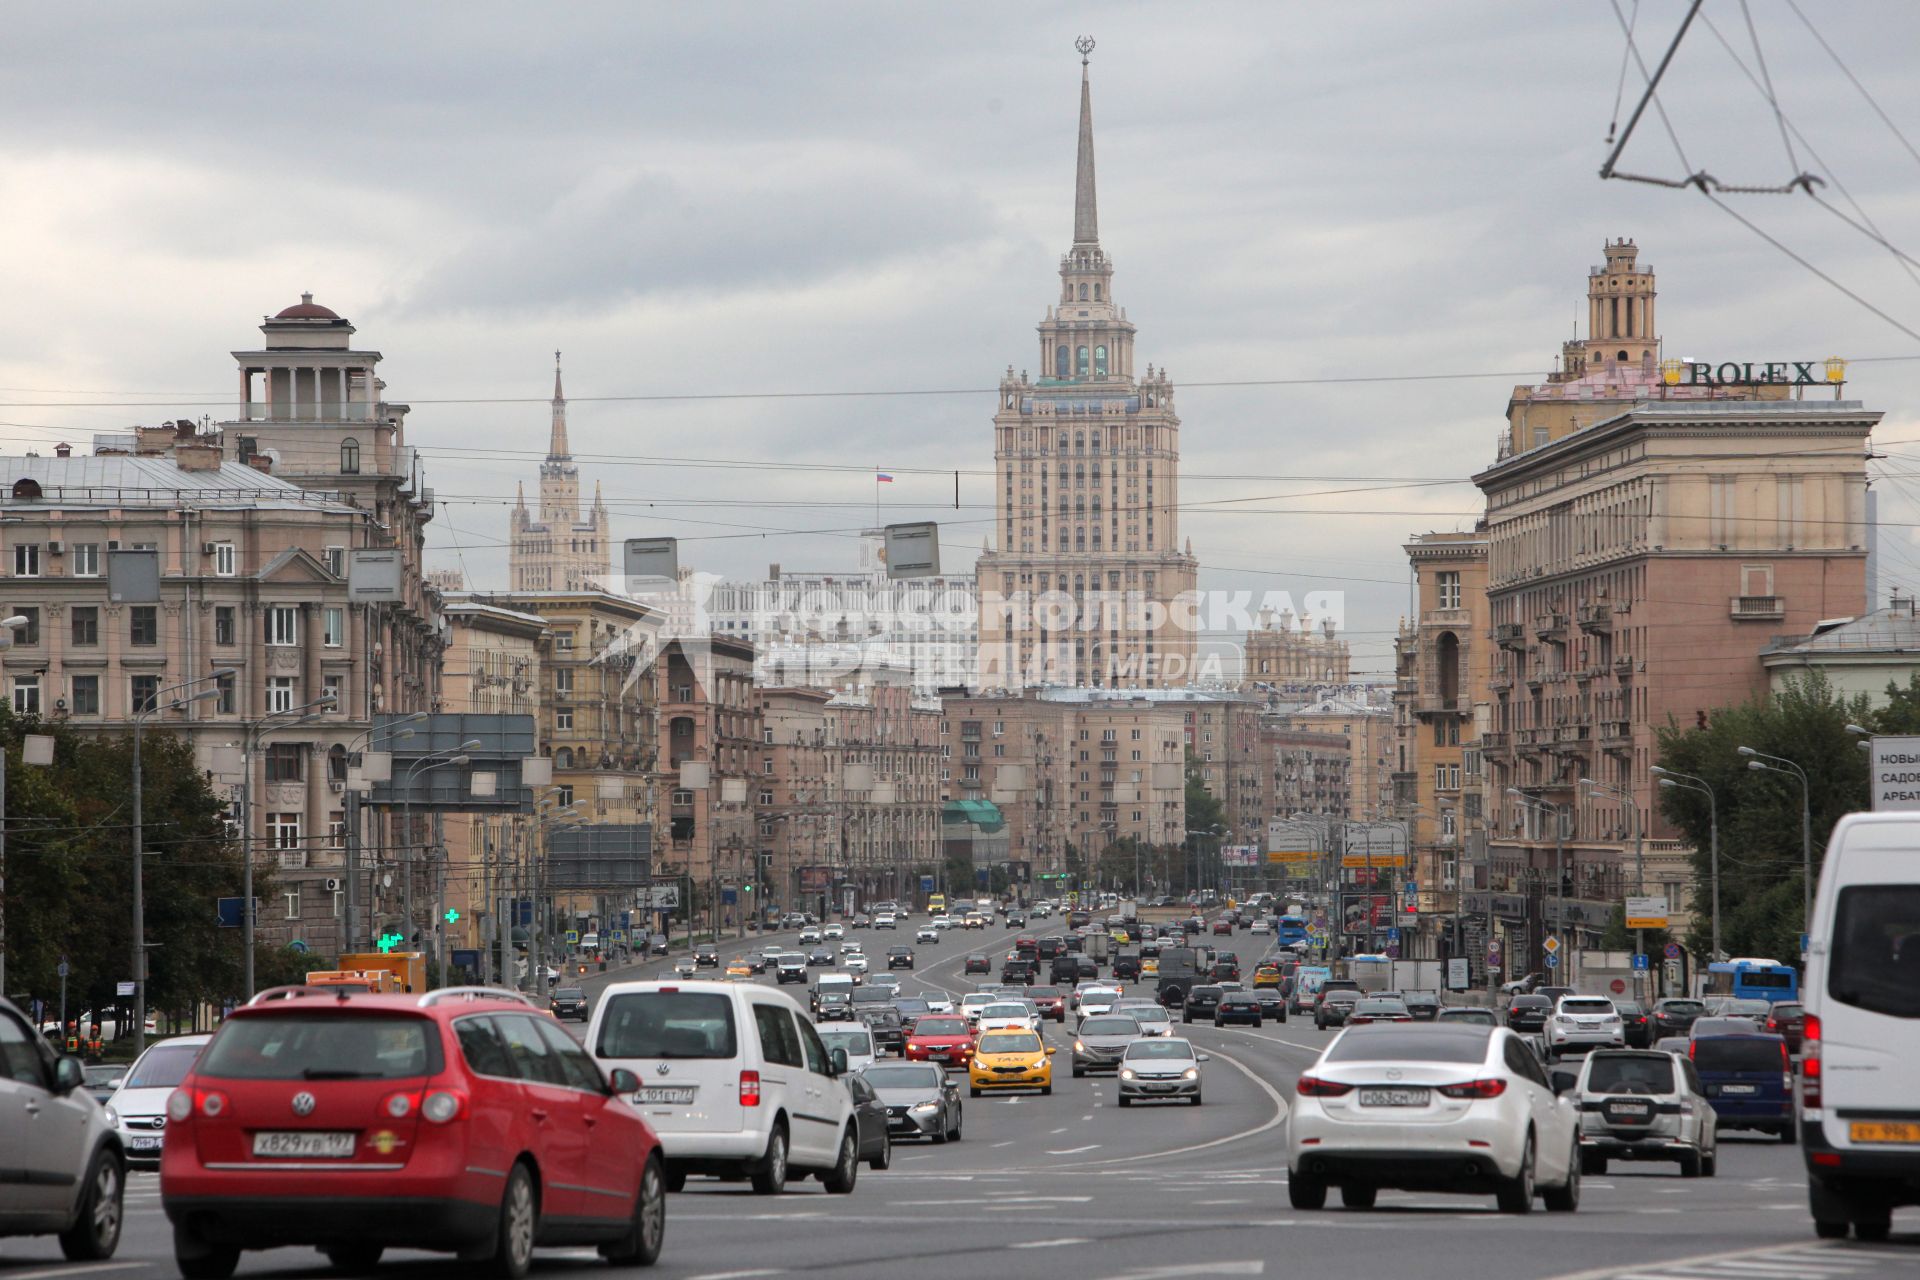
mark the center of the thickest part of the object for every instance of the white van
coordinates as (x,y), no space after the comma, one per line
(1860,1063)
(734,1079)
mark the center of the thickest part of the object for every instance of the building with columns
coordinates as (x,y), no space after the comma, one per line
(563,549)
(1085,581)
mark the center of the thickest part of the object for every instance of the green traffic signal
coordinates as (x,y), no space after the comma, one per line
(453,914)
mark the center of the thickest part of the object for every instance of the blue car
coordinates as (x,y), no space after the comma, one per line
(1749,1080)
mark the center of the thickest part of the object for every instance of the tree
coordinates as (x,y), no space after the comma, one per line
(1760,853)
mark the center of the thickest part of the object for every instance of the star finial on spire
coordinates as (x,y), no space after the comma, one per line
(1085,45)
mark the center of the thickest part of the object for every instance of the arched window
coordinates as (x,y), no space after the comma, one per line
(1096,293)
(349,457)
(563,758)
(1082,362)
(1083,293)
(1100,361)
(1061,368)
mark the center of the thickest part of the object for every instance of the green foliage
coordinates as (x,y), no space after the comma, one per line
(1760,812)
(1204,809)
(70,873)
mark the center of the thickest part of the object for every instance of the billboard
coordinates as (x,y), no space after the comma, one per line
(1647,912)
(1365,912)
(1893,772)
(1239,855)
(600,855)
(816,879)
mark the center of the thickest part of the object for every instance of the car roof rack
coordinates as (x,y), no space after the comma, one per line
(297,991)
(470,994)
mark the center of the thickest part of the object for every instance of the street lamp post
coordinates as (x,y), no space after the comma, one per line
(1559,859)
(7,628)
(350,805)
(426,764)
(303,714)
(1757,762)
(140,715)
(1639,868)
(1688,782)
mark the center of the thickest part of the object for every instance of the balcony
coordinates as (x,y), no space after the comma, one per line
(1495,740)
(1510,635)
(1500,683)
(1757,608)
(1596,617)
(1550,626)
(1435,704)
(1623,668)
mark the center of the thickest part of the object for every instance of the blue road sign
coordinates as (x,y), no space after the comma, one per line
(1393,935)
(229,913)
(1553,961)
(1673,951)
(1642,962)
(926,884)
(573,937)
(1413,888)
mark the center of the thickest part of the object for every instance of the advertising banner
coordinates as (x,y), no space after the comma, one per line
(816,879)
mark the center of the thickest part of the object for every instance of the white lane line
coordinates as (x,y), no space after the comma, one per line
(87,1269)
(1051,1244)
(1813,1254)
(737,1275)
(1062,1128)
(1003,1144)
(1241,1201)
(1278,1118)
(1074,1151)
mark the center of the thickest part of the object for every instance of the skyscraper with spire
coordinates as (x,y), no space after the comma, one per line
(559,551)
(1084,580)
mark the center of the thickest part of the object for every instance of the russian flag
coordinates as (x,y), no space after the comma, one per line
(881,477)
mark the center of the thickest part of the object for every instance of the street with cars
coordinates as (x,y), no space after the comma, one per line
(1099,1133)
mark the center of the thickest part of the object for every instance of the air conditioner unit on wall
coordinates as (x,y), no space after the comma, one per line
(333,884)
(56,548)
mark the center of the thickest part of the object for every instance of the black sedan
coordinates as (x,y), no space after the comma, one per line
(979,964)
(1334,1007)
(832,1006)
(754,961)
(1423,1005)
(706,957)
(819,956)
(1636,1022)
(1272,1002)
(1676,1017)
(1200,1003)
(1529,1013)
(899,957)
(569,1002)
(888,1027)
(920,1101)
(1237,1007)
(876,1142)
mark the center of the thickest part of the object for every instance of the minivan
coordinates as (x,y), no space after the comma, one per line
(1748,1078)
(735,1080)
(1860,1040)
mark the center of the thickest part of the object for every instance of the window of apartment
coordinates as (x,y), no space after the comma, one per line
(564,794)
(335,687)
(26,560)
(279,693)
(766,797)
(563,684)
(30,633)
(350,457)
(283,830)
(283,624)
(563,641)
(333,627)
(563,721)
(143,625)
(86,626)
(26,695)
(226,561)
(86,560)
(223,624)
(293,903)
(1448,585)
(337,830)
(999,727)
(226,686)
(766,735)
(286,762)
(144,692)
(86,695)
(336,559)
(681,798)
(766,764)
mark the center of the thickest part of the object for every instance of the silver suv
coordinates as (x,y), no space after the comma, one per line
(1642,1104)
(57,1137)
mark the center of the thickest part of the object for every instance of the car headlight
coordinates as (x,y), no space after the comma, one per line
(1079,1047)
(113,1117)
(925,1108)
(1126,1073)
(1191,1073)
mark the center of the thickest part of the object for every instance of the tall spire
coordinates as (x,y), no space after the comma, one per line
(1086,216)
(557,446)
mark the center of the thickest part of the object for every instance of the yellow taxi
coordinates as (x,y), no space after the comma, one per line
(1150,967)
(1120,937)
(1267,975)
(738,970)
(1010,1060)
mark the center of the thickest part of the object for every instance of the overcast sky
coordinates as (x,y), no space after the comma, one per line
(725,198)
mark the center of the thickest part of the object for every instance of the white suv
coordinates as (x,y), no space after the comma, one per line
(72,1179)
(1584,1022)
(734,1079)
(1639,1104)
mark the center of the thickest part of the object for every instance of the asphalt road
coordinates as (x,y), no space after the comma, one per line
(1070,1186)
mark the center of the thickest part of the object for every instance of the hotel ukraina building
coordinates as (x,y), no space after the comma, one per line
(1084,581)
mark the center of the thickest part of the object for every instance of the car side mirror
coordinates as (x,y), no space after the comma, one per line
(839,1062)
(1051,1051)
(1564,1081)
(68,1074)
(623,1081)
(1203,1057)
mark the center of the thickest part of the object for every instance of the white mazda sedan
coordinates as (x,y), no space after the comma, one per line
(1433,1107)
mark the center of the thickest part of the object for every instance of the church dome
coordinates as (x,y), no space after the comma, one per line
(307,309)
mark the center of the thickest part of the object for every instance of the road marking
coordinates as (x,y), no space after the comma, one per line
(1713,1263)
(1003,1144)
(1051,1244)
(737,1275)
(1249,1267)
(1274,1121)
(1063,1128)
(1239,1201)
(88,1269)
(1074,1151)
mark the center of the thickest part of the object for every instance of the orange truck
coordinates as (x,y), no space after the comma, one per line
(378,972)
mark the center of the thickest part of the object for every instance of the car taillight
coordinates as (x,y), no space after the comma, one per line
(1315,1087)
(444,1105)
(209,1103)
(1491,1088)
(749,1088)
(1810,1061)
(179,1105)
(1786,1068)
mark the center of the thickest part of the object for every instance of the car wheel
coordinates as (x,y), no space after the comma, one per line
(957,1117)
(1078,1071)
(1829,1230)
(676,1178)
(1874,1231)
(354,1258)
(1256,1022)
(1710,1164)
(1593,1165)
(1196,1099)
(885,1159)
(1516,1193)
(769,1173)
(1565,1198)
(644,1239)
(1358,1196)
(1046,1090)
(846,1170)
(975,1090)
(1689,1164)
(1306,1193)
(519,1225)
(95,1232)
(1788,1135)
(1124,1101)
(198,1260)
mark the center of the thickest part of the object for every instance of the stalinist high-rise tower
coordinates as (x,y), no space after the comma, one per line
(560,551)
(1084,580)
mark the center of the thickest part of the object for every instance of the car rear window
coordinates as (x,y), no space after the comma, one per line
(1588,1007)
(897,1076)
(1472,1017)
(1531,1002)
(1876,949)
(1682,1007)
(323,1046)
(667,1024)
(940,1027)
(860,1041)
(1647,1074)
(1429,1044)
(164,1066)
(1736,1053)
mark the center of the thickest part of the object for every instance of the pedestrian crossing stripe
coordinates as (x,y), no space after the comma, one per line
(1799,1262)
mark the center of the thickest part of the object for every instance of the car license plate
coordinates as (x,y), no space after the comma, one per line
(145,1144)
(664,1094)
(284,1146)
(1629,1108)
(1739,1088)
(1883,1131)
(1393,1097)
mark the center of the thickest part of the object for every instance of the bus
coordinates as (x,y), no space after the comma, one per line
(1748,978)
(1290,930)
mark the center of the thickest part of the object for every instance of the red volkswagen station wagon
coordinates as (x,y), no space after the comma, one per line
(463,1121)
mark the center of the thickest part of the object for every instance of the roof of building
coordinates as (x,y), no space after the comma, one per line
(467,604)
(154,481)
(1892,630)
(307,309)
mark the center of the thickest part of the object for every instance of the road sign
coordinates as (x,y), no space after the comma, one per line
(1393,935)
(1642,962)
(1393,950)
(1553,961)
(123,988)
(1413,888)
(1551,946)
(62,969)
(1618,986)
(1648,912)
(1673,951)
(1493,951)
(1893,772)
(926,884)
(573,937)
